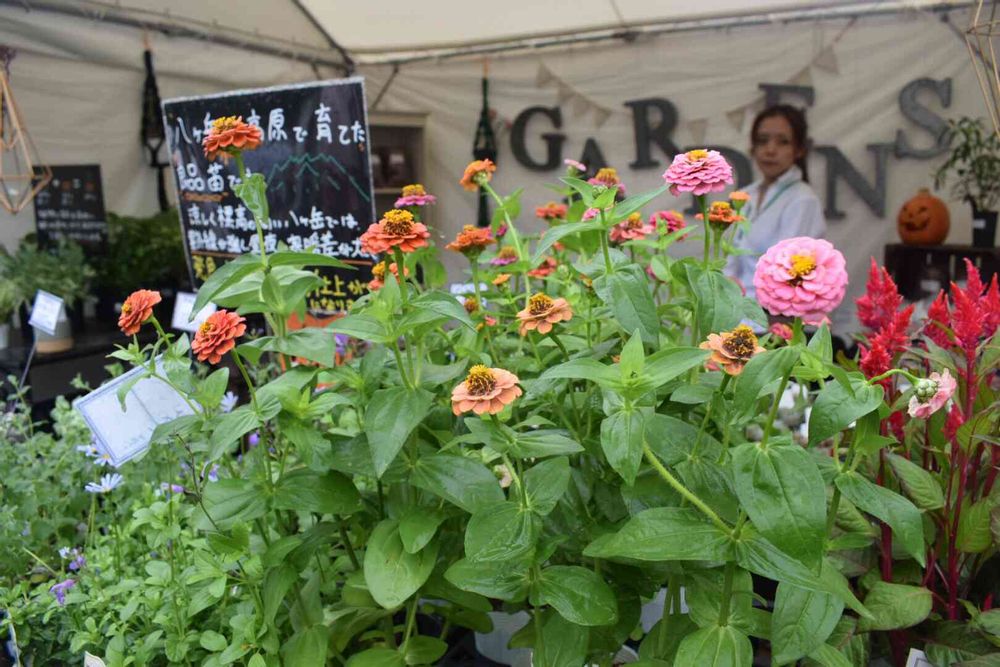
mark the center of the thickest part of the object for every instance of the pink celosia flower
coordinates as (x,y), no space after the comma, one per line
(781,330)
(673,220)
(698,172)
(630,229)
(931,394)
(801,277)
(579,166)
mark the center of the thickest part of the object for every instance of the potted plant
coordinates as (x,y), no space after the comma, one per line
(973,172)
(10,299)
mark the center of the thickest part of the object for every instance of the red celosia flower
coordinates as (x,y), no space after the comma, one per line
(991,309)
(218,335)
(136,310)
(967,319)
(953,421)
(881,299)
(938,316)
(876,360)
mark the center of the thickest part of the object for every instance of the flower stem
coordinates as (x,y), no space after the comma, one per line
(609,268)
(242,172)
(397,254)
(683,490)
(703,205)
(774,408)
(555,339)
(708,414)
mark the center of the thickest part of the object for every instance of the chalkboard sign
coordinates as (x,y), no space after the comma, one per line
(315,159)
(72,206)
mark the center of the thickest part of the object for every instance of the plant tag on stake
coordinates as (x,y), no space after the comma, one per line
(124,434)
(917,658)
(182,320)
(46,312)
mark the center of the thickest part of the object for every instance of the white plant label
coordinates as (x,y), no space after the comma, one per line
(46,312)
(182,320)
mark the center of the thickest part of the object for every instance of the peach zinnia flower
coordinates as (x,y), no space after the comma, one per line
(507,255)
(477,173)
(630,229)
(378,275)
(217,335)
(551,211)
(608,177)
(485,390)
(542,312)
(731,350)
(547,266)
(396,228)
(230,135)
(698,172)
(471,240)
(930,394)
(739,197)
(136,310)
(414,195)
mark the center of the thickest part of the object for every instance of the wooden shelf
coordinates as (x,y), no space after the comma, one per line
(916,269)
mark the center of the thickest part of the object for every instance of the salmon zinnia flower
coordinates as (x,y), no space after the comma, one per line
(136,310)
(378,275)
(471,240)
(230,135)
(485,390)
(630,229)
(547,266)
(477,173)
(396,228)
(731,350)
(218,335)
(551,211)
(542,312)
(414,195)
(608,177)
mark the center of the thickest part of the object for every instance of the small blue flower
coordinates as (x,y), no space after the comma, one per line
(59,590)
(107,484)
(228,402)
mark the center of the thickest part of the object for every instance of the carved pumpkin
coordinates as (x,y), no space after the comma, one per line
(923,220)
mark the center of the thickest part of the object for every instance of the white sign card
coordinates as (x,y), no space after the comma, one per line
(182,320)
(123,435)
(917,658)
(46,312)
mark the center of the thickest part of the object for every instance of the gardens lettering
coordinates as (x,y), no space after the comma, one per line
(654,120)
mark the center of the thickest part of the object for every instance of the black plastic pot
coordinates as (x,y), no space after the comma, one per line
(984,228)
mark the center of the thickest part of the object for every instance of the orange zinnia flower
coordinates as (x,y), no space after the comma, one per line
(136,310)
(551,211)
(396,228)
(542,312)
(739,195)
(485,390)
(731,350)
(230,135)
(501,279)
(547,266)
(218,335)
(477,173)
(471,240)
(378,275)
(721,213)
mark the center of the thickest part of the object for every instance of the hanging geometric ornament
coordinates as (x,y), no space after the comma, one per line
(22,173)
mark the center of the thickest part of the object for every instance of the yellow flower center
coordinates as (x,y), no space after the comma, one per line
(507,252)
(802,265)
(539,303)
(471,304)
(414,190)
(634,221)
(721,207)
(206,328)
(378,271)
(127,308)
(397,222)
(480,380)
(226,123)
(695,155)
(740,342)
(607,175)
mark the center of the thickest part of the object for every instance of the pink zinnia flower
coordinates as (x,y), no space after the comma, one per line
(931,394)
(590,213)
(630,229)
(507,255)
(801,277)
(673,220)
(573,164)
(698,172)
(608,177)
(414,195)
(781,330)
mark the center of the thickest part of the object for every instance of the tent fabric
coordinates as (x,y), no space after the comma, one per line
(79,85)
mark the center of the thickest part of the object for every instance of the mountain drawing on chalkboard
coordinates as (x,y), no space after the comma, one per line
(299,168)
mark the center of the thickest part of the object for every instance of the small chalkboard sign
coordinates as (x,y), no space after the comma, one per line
(314,157)
(72,206)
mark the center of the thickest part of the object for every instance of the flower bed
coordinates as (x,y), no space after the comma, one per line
(599,422)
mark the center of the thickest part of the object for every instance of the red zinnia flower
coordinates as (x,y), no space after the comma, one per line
(230,135)
(136,310)
(218,335)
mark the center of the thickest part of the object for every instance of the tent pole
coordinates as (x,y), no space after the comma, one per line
(348,66)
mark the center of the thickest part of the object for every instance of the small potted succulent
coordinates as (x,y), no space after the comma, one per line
(972,172)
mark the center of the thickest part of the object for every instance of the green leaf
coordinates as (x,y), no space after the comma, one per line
(802,621)
(210,390)
(253,191)
(578,594)
(630,205)
(974,527)
(308,491)
(756,554)
(664,638)
(435,306)
(392,574)
(901,515)
(564,644)
(721,305)
(632,358)
(420,650)
(542,443)
(418,526)
(315,344)
(627,293)
(821,344)
(376,657)
(665,533)
(504,581)
(715,647)
(781,490)
(920,485)
(585,189)
(223,277)
(761,371)
(231,426)
(895,606)
(835,408)
(545,483)
(501,532)
(828,656)
(230,501)
(704,598)
(212,641)
(362,326)
(303,259)
(277,582)
(621,440)
(557,232)
(390,417)
(459,480)
(584,369)
(670,363)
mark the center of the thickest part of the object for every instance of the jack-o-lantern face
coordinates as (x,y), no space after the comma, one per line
(923,220)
